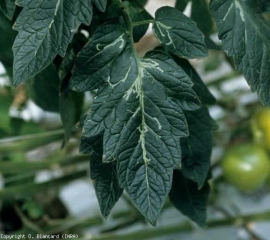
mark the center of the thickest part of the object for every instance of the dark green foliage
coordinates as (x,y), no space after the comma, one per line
(148,130)
(188,199)
(105,179)
(178,33)
(49,26)
(245,36)
(47,79)
(8,8)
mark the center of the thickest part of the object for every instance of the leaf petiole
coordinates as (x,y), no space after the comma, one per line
(134,24)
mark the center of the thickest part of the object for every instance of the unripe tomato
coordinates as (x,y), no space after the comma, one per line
(261,127)
(246,167)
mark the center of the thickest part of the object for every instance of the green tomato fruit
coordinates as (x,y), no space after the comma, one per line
(260,123)
(246,167)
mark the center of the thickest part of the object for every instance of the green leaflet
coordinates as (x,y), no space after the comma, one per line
(201,15)
(138,109)
(46,27)
(265,5)
(186,197)
(245,35)
(101,4)
(181,4)
(178,34)
(138,3)
(199,87)
(8,8)
(104,176)
(196,148)
(6,39)
(44,89)
(70,103)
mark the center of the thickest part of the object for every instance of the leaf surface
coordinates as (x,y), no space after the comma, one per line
(105,178)
(245,36)
(186,197)
(181,4)
(196,148)
(199,87)
(139,110)
(44,89)
(201,15)
(46,27)
(178,34)
(8,8)
(6,39)
(70,103)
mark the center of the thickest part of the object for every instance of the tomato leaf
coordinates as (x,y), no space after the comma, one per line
(265,5)
(8,8)
(105,178)
(199,87)
(186,197)
(47,79)
(245,36)
(70,103)
(201,15)
(138,3)
(181,4)
(196,149)
(178,34)
(45,30)
(6,40)
(138,109)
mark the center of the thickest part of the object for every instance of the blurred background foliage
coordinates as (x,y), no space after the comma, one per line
(45,184)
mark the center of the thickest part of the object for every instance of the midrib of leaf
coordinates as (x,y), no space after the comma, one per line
(143,131)
(144,127)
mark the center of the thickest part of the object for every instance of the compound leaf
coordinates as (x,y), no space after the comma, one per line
(46,27)
(178,34)
(8,8)
(138,109)
(245,36)
(186,197)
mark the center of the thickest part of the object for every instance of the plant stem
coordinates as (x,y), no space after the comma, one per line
(27,222)
(31,188)
(9,167)
(28,142)
(142,22)
(185,226)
